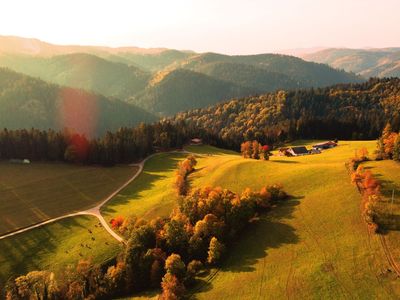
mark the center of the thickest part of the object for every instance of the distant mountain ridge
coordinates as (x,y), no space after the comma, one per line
(82,70)
(165,81)
(36,47)
(383,62)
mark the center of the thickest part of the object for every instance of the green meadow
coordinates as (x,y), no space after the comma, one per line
(314,246)
(37,192)
(55,246)
(151,194)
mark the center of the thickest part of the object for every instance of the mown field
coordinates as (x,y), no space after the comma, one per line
(151,194)
(315,246)
(39,191)
(54,246)
(388,173)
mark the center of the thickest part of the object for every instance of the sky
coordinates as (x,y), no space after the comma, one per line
(225,26)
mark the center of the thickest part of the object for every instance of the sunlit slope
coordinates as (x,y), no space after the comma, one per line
(53,247)
(314,246)
(150,195)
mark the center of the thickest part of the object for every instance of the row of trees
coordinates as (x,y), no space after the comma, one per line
(166,253)
(123,146)
(185,167)
(254,150)
(389,144)
(369,188)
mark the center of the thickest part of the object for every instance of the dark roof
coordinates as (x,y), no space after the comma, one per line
(300,150)
(329,143)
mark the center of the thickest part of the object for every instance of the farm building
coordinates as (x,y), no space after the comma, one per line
(196,141)
(325,145)
(20,161)
(294,151)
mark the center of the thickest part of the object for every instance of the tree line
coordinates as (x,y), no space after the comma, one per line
(123,146)
(185,167)
(388,144)
(254,150)
(164,253)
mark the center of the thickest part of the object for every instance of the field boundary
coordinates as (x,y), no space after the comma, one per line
(386,250)
(95,211)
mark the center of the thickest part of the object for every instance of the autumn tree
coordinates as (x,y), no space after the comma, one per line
(215,251)
(265,152)
(172,288)
(175,266)
(396,148)
(256,150)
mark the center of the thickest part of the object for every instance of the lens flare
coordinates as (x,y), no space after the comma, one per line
(78,111)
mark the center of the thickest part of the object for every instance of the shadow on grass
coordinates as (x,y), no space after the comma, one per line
(253,244)
(281,161)
(147,180)
(23,252)
(269,232)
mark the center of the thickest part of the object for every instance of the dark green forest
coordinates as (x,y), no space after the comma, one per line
(345,111)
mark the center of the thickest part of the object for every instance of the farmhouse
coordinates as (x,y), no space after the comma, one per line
(294,151)
(196,141)
(20,161)
(325,145)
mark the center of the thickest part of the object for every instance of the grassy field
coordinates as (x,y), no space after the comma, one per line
(150,195)
(39,191)
(314,246)
(54,246)
(388,173)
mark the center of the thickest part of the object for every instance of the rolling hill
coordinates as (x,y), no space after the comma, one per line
(35,47)
(181,90)
(81,70)
(206,79)
(154,79)
(36,103)
(365,62)
(304,74)
(347,111)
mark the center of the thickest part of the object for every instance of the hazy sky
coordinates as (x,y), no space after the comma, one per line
(227,26)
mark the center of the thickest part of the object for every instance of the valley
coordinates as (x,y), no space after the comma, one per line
(298,250)
(181,150)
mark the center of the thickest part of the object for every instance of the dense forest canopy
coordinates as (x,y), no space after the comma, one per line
(345,111)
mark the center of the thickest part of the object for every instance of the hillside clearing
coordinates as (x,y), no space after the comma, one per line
(151,194)
(37,192)
(314,246)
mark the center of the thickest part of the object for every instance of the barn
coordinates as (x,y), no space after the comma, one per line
(325,145)
(294,151)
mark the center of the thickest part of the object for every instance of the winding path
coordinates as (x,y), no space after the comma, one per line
(94,211)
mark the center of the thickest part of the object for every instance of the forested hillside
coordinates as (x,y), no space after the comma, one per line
(165,81)
(83,71)
(305,74)
(210,78)
(181,90)
(351,111)
(27,102)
